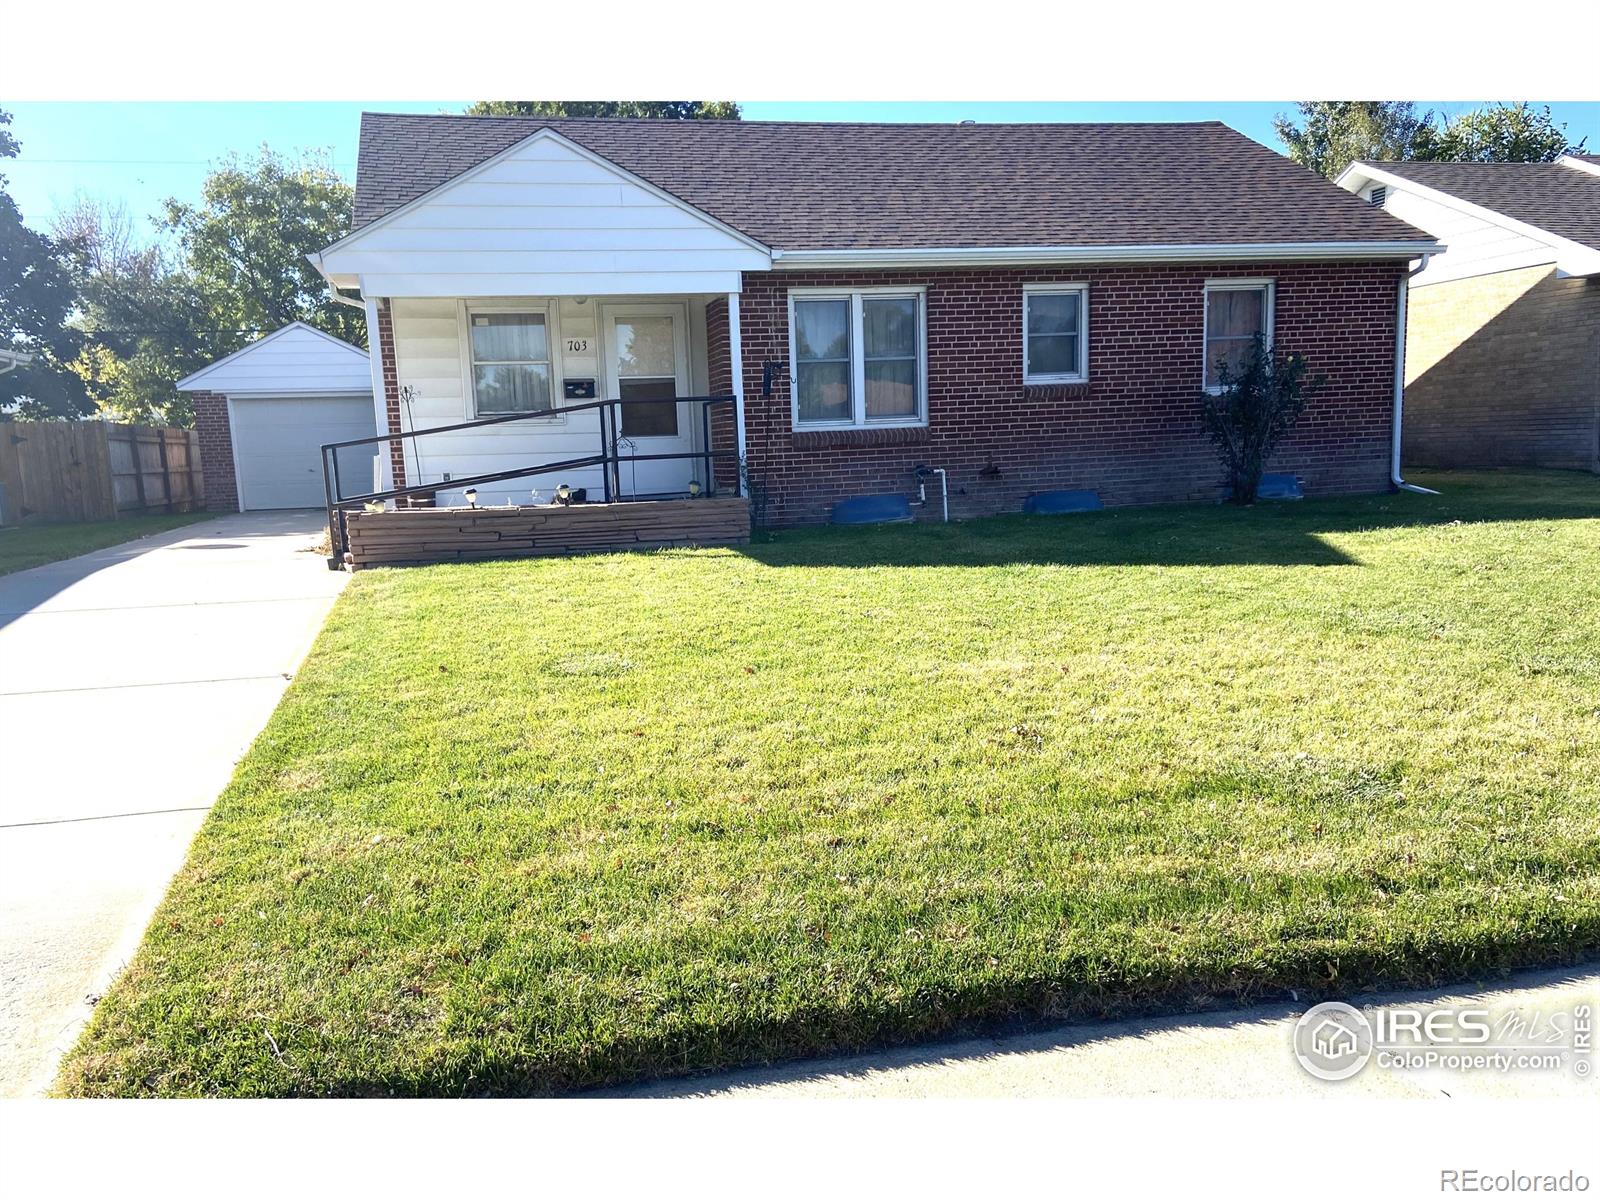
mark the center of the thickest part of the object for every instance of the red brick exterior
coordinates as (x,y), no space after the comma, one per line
(1132,432)
(719,377)
(391,393)
(216,451)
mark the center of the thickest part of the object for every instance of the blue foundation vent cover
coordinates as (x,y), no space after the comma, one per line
(1047,503)
(1279,487)
(882,509)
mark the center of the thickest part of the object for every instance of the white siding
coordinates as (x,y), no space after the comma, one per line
(1476,246)
(544,219)
(431,359)
(295,360)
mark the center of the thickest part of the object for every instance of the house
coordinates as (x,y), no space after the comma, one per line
(1333,1041)
(805,312)
(264,412)
(1503,339)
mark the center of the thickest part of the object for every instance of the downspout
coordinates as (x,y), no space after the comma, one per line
(1400,383)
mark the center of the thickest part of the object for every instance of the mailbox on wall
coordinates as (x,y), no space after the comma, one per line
(578,389)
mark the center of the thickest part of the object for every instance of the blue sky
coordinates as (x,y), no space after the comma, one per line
(141,153)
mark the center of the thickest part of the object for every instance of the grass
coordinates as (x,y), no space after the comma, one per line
(35,545)
(527,827)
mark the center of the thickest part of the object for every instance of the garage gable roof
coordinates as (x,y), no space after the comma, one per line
(296,360)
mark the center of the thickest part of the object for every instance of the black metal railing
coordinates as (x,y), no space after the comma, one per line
(609,459)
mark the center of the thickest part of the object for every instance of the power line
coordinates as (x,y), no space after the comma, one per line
(126,162)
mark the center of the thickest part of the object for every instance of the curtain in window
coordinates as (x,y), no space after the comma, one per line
(1054,325)
(1234,316)
(510,362)
(889,334)
(822,360)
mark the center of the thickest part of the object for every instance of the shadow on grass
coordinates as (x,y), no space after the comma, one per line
(808,1042)
(1288,534)
(975,1050)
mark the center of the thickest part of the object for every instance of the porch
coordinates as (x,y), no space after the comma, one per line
(534,507)
(412,537)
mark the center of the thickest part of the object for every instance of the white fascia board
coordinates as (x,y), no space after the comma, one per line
(298,393)
(191,383)
(1051,255)
(330,270)
(1578,164)
(1353,178)
(1574,266)
(1565,248)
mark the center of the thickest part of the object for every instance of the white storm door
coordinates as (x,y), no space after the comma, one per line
(647,360)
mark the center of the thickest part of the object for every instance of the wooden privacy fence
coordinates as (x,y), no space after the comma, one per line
(96,471)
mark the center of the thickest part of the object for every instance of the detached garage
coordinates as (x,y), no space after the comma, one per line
(264,412)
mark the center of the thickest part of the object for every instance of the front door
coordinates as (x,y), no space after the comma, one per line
(647,360)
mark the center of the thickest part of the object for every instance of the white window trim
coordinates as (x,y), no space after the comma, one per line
(1081,290)
(465,310)
(1232,285)
(858,358)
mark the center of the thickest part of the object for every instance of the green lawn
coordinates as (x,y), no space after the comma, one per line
(35,545)
(526,827)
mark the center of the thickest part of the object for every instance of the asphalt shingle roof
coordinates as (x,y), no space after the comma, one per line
(1561,200)
(823,186)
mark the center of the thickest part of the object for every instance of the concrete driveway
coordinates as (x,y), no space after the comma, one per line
(131,681)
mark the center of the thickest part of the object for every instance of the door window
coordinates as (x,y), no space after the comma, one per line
(647,372)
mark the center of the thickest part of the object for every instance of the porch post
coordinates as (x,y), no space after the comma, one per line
(736,369)
(383,473)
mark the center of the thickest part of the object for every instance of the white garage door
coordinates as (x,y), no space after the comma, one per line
(277,446)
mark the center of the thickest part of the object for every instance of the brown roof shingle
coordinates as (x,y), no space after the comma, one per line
(823,186)
(1561,200)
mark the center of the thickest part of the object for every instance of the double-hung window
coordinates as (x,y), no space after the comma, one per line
(510,362)
(859,358)
(1237,312)
(1055,333)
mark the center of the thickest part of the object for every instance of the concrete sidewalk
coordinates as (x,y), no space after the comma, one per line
(131,681)
(1244,1054)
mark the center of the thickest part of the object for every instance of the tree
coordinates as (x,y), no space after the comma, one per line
(1334,133)
(1498,133)
(245,245)
(146,322)
(1253,408)
(36,299)
(672,110)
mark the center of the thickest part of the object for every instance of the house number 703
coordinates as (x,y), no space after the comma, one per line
(577,345)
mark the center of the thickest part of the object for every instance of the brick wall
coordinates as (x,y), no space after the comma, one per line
(719,377)
(216,451)
(1132,432)
(1503,370)
(391,394)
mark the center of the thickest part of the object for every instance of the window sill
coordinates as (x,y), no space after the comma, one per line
(1062,390)
(527,418)
(883,435)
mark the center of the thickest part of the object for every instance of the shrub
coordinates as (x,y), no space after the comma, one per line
(1255,405)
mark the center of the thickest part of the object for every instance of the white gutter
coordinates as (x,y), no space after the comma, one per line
(10,361)
(1032,255)
(333,288)
(1400,383)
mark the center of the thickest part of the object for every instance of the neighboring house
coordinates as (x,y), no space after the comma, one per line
(1503,340)
(264,412)
(1028,307)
